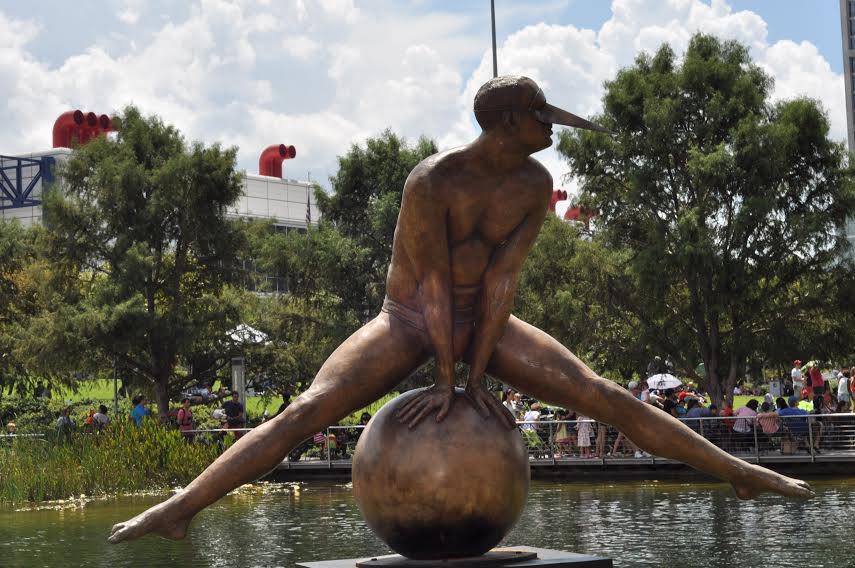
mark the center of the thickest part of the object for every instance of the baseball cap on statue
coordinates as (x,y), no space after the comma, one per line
(521,94)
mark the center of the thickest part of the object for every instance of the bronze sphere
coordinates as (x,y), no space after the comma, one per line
(447,489)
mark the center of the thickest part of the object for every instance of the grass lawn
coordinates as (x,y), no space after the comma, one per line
(102,391)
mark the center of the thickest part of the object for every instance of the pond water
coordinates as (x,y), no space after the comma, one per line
(636,523)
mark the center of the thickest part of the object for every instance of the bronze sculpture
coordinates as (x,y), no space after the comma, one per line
(468,218)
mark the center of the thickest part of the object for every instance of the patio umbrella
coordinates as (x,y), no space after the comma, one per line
(663,381)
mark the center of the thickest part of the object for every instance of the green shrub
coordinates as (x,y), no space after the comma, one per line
(120,459)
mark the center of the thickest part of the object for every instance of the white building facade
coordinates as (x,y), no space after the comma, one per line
(289,203)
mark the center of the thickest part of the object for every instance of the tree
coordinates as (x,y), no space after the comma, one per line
(143,253)
(17,250)
(728,204)
(566,288)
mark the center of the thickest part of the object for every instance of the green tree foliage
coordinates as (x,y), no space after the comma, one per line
(336,272)
(566,288)
(142,254)
(17,302)
(728,205)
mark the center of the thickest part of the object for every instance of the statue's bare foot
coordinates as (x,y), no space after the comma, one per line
(166,520)
(756,480)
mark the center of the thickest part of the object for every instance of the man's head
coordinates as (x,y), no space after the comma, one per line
(797,364)
(794,401)
(517,106)
(235,396)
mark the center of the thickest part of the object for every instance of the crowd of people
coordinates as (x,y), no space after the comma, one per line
(800,420)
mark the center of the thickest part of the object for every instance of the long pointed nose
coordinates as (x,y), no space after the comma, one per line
(553,115)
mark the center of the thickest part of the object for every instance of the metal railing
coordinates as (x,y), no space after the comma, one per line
(774,438)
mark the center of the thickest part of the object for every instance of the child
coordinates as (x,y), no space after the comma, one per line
(584,429)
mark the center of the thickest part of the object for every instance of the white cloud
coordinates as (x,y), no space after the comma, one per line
(301,47)
(321,74)
(129,12)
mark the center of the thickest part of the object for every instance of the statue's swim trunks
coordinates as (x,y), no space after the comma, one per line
(462,314)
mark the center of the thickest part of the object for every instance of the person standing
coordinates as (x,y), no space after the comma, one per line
(235,414)
(796,373)
(185,420)
(843,380)
(286,400)
(140,410)
(64,424)
(817,383)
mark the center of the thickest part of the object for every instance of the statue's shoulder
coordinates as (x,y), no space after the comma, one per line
(437,168)
(538,172)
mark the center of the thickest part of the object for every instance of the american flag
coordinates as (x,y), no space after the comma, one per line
(319,438)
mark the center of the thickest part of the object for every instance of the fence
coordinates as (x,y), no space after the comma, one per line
(784,438)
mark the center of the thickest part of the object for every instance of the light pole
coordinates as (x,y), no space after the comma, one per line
(493,21)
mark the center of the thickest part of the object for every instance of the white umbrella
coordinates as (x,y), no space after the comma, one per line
(663,381)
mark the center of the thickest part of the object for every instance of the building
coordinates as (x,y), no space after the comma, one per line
(847,29)
(289,203)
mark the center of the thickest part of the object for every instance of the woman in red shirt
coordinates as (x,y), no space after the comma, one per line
(185,420)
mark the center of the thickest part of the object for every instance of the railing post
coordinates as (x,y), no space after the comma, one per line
(810,439)
(551,442)
(329,460)
(756,442)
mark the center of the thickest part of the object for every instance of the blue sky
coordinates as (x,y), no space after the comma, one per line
(323,74)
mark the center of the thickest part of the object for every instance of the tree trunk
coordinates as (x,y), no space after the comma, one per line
(161,396)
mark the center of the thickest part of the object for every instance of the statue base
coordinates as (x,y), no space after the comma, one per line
(516,557)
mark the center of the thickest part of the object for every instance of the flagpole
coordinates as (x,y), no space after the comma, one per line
(308,201)
(493,21)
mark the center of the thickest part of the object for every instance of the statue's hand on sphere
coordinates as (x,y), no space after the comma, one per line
(487,404)
(437,398)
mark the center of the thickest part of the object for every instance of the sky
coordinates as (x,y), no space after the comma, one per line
(325,74)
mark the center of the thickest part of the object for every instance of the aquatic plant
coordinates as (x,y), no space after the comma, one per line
(120,459)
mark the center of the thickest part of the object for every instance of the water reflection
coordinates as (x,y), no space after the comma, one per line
(638,524)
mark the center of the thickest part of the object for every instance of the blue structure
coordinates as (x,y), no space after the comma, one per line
(13,194)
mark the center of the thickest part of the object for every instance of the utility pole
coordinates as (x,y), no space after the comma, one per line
(493,20)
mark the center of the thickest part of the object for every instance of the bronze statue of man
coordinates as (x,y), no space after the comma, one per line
(468,219)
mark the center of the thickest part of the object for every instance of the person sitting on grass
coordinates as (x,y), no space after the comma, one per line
(101,419)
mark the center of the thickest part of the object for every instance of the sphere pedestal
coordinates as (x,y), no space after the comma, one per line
(521,556)
(440,490)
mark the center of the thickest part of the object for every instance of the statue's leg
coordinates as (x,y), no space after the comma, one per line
(365,367)
(536,364)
